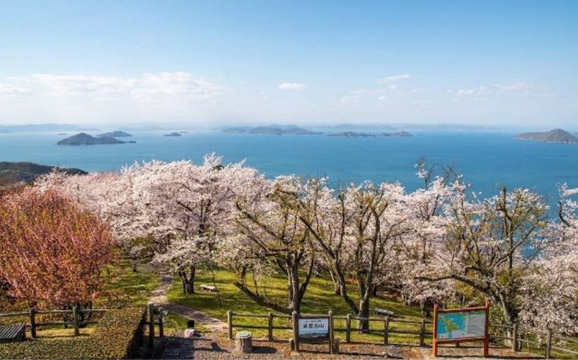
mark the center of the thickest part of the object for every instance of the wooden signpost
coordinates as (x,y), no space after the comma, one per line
(454,326)
(312,329)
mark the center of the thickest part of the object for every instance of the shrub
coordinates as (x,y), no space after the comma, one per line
(118,336)
(53,252)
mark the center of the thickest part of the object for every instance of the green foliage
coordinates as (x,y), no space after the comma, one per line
(118,335)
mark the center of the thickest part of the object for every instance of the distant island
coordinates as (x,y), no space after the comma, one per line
(17,172)
(270,130)
(558,136)
(174,134)
(86,139)
(115,134)
(355,127)
(351,134)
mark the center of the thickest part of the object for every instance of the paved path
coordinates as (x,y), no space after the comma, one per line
(181,347)
(159,298)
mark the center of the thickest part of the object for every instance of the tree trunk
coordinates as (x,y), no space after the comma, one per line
(188,281)
(336,287)
(294,293)
(363,324)
(134,265)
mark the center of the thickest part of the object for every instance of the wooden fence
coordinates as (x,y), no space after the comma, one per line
(387,322)
(270,326)
(152,310)
(550,343)
(33,324)
(535,340)
(385,332)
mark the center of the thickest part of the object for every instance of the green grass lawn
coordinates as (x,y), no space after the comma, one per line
(319,299)
(132,288)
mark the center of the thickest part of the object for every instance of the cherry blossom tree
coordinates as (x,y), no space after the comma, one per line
(355,231)
(488,246)
(279,240)
(551,289)
(52,250)
(152,205)
(416,248)
(194,206)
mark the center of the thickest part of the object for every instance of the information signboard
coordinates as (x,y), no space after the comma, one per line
(461,325)
(314,328)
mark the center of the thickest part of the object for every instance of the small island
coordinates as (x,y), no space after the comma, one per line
(351,134)
(270,130)
(557,136)
(86,139)
(115,134)
(174,134)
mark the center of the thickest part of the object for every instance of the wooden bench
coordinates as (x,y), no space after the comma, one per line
(12,333)
(209,288)
(384,312)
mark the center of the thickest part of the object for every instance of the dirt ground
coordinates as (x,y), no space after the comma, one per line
(206,348)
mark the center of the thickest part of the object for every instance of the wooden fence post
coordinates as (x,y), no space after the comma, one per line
(75,320)
(422,332)
(348,328)
(549,344)
(434,340)
(230,324)
(295,324)
(386,330)
(161,323)
(331,334)
(151,309)
(32,312)
(270,326)
(515,338)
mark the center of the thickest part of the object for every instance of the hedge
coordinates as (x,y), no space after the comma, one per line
(119,335)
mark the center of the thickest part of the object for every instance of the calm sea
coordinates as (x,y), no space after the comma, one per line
(487,160)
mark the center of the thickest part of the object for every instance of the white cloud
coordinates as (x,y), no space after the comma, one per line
(295,86)
(146,87)
(476,91)
(381,93)
(518,86)
(480,91)
(79,97)
(394,78)
(12,90)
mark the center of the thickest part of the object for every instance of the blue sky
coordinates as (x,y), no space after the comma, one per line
(307,62)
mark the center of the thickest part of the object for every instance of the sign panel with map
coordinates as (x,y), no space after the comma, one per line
(461,325)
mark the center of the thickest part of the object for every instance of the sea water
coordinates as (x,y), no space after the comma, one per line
(487,160)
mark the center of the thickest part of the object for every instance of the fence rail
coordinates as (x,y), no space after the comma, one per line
(33,324)
(518,336)
(514,335)
(387,321)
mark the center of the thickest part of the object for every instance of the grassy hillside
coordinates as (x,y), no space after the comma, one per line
(319,299)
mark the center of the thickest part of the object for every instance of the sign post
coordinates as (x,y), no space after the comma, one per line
(312,329)
(454,326)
